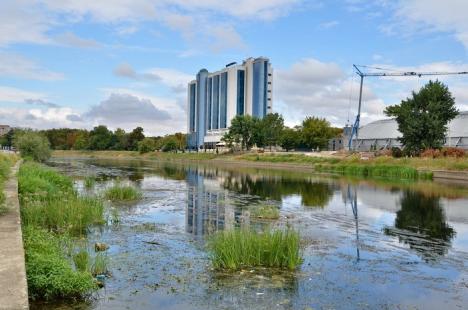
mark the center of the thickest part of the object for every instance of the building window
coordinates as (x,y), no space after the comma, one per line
(223,101)
(215,102)
(192,107)
(240,91)
(208,103)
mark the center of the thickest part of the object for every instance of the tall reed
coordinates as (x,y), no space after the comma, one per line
(244,248)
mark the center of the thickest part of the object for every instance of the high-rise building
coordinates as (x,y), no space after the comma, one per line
(214,99)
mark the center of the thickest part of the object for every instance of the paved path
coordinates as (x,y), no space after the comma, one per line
(13,285)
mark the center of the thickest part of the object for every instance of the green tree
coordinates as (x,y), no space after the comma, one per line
(134,137)
(242,130)
(146,145)
(32,145)
(100,138)
(316,132)
(120,139)
(170,145)
(423,118)
(81,142)
(290,139)
(272,126)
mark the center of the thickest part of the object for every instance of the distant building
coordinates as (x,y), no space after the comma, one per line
(384,134)
(341,141)
(214,99)
(4,129)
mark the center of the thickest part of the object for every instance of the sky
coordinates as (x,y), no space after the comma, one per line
(126,63)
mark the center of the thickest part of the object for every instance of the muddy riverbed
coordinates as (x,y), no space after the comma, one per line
(367,244)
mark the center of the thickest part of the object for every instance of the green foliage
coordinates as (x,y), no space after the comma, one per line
(236,249)
(272,128)
(89,182)
(122,193)
(82,261)
(32,145)
(316,132)
(242,131)
(6,162)
(381,170)
(146,145)
(48,200)
(100,138)
(134,137)
(169,145)
(49,273)
(290,139)
(267,212)
(99,266)
(423,118)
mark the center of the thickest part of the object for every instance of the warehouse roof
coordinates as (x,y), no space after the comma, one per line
(388,128)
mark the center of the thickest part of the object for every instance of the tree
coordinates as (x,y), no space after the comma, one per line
(272,127)
(242,130)
(134,137)
(82,139)
(316,132)
(120,139)
(100,138)
(290,138)
(423,118)
(170,145)
(32,145)
(146,145)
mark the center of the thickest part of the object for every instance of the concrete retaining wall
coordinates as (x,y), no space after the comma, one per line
(13,285)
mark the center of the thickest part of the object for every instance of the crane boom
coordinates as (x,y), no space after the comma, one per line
(355,128)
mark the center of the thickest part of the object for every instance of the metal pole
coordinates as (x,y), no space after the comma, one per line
(359,107)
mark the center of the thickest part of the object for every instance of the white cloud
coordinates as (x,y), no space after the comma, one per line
(329,24)
(16,95)
(73,40)
(416,16)
(17,66)
(39,118)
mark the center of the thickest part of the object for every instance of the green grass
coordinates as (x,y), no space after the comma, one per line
(53,214)
(288,158)
(267,212)
(49,272)
(99,266)
(375,170)
(237,249)
(89,182)
(122,193)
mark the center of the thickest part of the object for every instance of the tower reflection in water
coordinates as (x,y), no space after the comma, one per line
(209,207)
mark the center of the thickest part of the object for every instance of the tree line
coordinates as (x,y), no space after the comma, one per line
(246,131)
(101,138)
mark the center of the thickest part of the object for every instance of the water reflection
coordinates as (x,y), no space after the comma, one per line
(421,224)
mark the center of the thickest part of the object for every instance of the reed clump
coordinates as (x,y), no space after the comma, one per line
(246,248)
(122,193)
(267,212)
(380,170)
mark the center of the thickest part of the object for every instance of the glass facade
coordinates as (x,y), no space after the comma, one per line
(209,96)
(215,116)
(192,108)
(240,92)
(258,90)
(223,101)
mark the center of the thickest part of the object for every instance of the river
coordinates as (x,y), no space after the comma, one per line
(367,244)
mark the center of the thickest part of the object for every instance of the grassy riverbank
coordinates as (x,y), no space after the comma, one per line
(53,214)
(381,167)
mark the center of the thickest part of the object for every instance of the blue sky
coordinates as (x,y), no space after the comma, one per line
(80,63)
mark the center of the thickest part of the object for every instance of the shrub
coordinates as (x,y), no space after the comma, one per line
(146,145)
(122,193)
(453,152)
(431,153)
(397,152)
(32,145)
(236,249)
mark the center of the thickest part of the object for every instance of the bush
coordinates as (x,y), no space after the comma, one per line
(453,152)
(236,249)
(32,145)
(397,152)
(146,145)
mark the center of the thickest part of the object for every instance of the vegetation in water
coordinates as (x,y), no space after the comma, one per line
(52,214)
(89,182)
(99,266)
(122,193)
(267,212)
(244,248)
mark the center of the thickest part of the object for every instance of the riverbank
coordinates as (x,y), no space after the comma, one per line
(444,168)
(14,293)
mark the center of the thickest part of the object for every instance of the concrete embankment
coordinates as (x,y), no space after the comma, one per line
(13,285)
(451,175)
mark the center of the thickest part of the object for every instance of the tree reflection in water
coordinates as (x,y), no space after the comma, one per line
(421,224)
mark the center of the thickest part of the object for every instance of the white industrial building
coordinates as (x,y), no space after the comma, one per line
(384,134)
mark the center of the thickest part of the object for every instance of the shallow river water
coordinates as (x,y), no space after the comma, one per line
(367,244)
